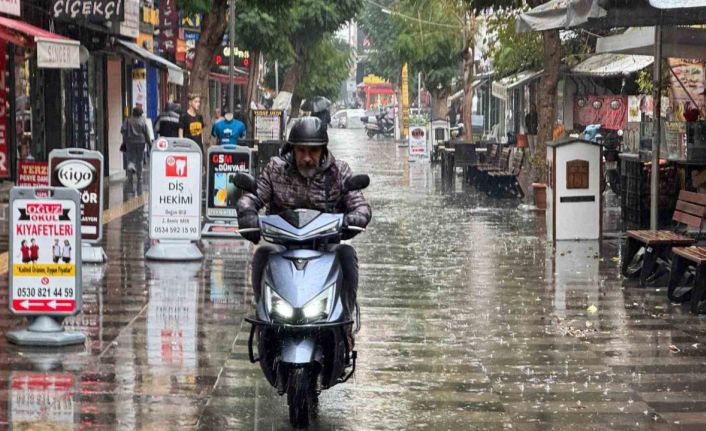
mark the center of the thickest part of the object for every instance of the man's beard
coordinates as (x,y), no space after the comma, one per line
(307,172)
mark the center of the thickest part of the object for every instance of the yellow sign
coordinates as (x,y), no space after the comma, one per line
(405,100)
(44,270)
(373,79)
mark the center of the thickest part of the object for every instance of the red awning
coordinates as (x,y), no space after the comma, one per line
(379,90)
(237,79)
(21,33)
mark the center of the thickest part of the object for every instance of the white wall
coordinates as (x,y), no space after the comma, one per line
(578,220)
(115,116)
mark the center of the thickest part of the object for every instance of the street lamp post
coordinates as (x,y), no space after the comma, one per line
(231,63)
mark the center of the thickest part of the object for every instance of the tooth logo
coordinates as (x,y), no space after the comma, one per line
(176,166)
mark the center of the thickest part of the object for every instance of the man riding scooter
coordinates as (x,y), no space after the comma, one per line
(306,175)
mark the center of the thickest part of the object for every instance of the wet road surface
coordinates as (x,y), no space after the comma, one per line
(470,321)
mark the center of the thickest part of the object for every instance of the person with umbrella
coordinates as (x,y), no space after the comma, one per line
(320,108)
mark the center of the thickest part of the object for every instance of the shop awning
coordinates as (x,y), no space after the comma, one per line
(559,14)
(677,42)
(605,65)
(502,87)
(53,51)
(175,73)
(457,95)
(225,79)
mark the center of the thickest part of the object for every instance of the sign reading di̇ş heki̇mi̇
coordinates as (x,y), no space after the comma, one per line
(175,198)
(43,257)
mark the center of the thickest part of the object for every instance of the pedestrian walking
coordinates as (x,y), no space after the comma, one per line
(167,124)
(135,137)
(66,252)
(33,251)
(191,125)
(56,251)
(531,126)
(228,130)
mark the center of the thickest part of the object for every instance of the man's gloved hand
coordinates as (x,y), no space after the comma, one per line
(355,220)
(249,220)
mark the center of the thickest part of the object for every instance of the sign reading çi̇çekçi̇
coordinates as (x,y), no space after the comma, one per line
(91,10)
(82,170)
(44,267)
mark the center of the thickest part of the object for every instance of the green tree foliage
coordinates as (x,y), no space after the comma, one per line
(512,52)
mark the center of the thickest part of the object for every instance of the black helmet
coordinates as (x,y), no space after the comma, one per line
(308,131)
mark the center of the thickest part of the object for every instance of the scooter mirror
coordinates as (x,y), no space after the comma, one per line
(357,182)
(246,182)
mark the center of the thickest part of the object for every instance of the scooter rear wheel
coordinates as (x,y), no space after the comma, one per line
(300,397)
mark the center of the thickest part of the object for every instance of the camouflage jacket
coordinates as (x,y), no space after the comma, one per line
(281,187)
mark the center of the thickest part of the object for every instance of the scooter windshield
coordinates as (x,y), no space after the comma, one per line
(300,225)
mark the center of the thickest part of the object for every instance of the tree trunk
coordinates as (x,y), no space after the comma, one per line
(439,104)
(251,90)
(296,103)
(547,98)
(213,28)
(294,74)
(468,63)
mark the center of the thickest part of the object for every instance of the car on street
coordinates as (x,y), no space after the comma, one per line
(348,118)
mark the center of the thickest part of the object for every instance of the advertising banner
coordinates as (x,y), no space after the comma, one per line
(81,170)
(32,174)
(417,143)
(4,145)
(224,162)
(175,197)
(44,267)
(405,101)
(42,400)
(269,124)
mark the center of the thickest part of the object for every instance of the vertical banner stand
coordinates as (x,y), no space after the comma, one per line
(224,162)
(45,286)
(80,169)
(175,200)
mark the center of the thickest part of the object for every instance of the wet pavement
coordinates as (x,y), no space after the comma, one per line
(470,321)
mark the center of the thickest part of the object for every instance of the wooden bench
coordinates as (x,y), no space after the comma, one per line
(682,259)
(482,172)
(465,157)
(505,183)
(658,244)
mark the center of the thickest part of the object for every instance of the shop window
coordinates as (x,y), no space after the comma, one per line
(577,174)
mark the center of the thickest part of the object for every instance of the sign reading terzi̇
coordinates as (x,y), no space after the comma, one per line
(45,270)
(91,10)
(175,197)
(82,170)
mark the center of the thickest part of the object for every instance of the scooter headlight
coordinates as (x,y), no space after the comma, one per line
(276,305)
(319,307)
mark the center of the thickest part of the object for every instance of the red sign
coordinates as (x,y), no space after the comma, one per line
(4,148)
(611,112)
(62,305)
(32,174)
(41,381)
(176,166)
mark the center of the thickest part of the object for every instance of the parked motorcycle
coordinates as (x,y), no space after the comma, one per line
(611,141)
(300,323)
(383,126)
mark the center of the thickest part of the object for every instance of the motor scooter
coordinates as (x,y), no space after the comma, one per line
(382,126)
(300,324)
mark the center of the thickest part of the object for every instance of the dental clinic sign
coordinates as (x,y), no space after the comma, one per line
(175,197)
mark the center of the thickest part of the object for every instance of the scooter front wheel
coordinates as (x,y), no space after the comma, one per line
(371,134)
(301,397)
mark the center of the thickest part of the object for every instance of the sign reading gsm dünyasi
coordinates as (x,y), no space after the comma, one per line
(91,10)
(175,196)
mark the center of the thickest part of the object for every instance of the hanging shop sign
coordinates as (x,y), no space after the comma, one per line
(45,263)
(269,124)
(91,10)
(32,174)
(82,170)
(10,7)
(168,28)
(4,147)
(58,54)
(175,197)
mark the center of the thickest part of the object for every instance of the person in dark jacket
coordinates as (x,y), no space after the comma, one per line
(167,124)
(531,125)
(135,136)
(307,176)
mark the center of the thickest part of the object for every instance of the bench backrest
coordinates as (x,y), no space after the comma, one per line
(504,161)
(518,159)
(691,209)
(492,156)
